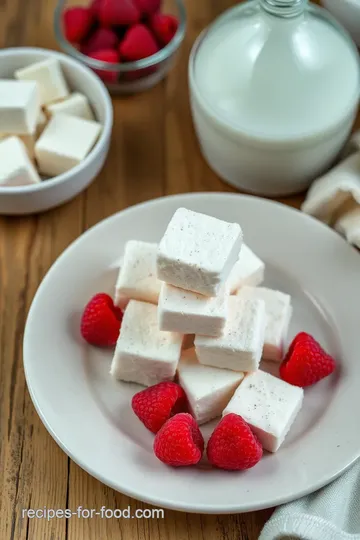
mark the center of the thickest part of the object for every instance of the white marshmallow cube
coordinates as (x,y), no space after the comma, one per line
(248,270)
(64,143)
(278,314)
(16,168)
(208,389)
(197,252)
(50,78)
(19,107)
(269,405)
(143,353)
(327,194)
(241,345)
(40,123)
(75,105)
(192,313)
(137,276)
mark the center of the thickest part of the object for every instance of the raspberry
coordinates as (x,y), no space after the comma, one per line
(102,39)
(148,6)
(77,22)
(118,12)
(100,322)
(233,446)
(107,55)
(95,8)
(156,404)
(138,43)
(164,27)
(306,362)
(179,442)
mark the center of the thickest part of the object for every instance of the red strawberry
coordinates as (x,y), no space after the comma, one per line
(156,404)
(148,6)
(77,23)
(306,362)
(118,12)
(107,55)
(95,7)
(179,442)
(101,39)
(233,446)
(138,43)
(101,320)
(164,27)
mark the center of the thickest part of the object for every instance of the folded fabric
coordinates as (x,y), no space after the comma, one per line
(332,513)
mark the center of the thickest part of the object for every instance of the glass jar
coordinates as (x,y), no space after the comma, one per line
(274,88)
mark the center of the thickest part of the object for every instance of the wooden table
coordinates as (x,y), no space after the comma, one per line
(154,152)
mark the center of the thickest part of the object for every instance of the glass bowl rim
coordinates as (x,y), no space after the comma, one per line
(153,60)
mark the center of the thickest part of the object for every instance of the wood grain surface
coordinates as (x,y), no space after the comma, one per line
(154,152)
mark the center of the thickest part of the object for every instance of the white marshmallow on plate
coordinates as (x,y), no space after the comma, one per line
(241,345)
(248,270)
(76,105)
(327,194)
(137,276)
(269,405)
(278,311)
(192,313)
(16,168)
(19,107)
(208,389)
(144,354)
(49,76)
(64,143)
(348,223)
(197,252)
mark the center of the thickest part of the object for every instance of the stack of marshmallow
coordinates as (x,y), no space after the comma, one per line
(201,282)
(334,198)
(44,130)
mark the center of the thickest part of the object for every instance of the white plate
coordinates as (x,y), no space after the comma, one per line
(89,414)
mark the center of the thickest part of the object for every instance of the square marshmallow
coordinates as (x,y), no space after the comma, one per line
(143,353)
(19,107)
(50,78)
(40,123)
(64,143)
(278,314)
(197,252)
(137,276)
(191,313)
(248,270)
(269,405)
(241,345)
(75,105)
(16,168)
(208,389)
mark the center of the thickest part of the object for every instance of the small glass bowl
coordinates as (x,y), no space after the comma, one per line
(132,76)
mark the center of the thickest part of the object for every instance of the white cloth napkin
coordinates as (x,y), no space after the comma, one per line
(332,513)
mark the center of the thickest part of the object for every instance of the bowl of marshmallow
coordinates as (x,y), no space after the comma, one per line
(55,126)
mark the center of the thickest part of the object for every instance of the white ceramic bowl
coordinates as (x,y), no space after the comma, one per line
(57,190)
(347,12)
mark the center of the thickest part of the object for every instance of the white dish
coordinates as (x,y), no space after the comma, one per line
(57,190)
(89,414)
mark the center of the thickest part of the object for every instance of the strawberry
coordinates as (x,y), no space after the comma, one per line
(179,442)
(101,320)
(148,6)
(106,55)
(306,362)
(101,39)
(164,27)
(118,12)
(156,404)
(138,43)
(95,8)
(77,22)
(232,445)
